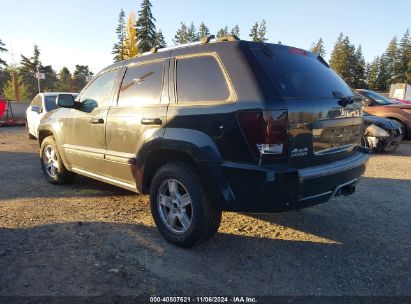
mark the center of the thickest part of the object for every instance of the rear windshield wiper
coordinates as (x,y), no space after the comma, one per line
(346,100)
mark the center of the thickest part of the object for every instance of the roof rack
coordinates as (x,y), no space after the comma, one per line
(203,40)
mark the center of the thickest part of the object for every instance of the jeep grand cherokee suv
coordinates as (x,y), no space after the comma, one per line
(212,126)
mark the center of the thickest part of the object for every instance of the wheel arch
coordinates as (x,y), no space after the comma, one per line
(159,158)
(398,119)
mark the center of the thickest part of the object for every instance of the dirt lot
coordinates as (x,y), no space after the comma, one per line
(92,239)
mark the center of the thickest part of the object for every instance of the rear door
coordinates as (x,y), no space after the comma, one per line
(138,118)
(324,121)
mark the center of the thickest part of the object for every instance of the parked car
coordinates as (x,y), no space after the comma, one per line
(216,125)
(379,105)
(381,134)
(40,105)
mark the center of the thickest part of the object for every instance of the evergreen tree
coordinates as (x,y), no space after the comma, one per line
(130,42)
(343,59)
(318,48)
(2,49)
(181,35)
(160,41)
(372,74)
(222,32)
(203,30)
(383,76)
(391,59)
(254,32)
(235,31)
(259,31)
(409,72)
(118,49)
(192,33)
(404,56)
(262,31)
(4,78)
(145,27)
(28,69)
(64,81)
(80,75)
(359,69)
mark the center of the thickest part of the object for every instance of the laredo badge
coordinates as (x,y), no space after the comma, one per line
(299,152)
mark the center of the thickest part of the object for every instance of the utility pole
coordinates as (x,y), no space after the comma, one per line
(38,78)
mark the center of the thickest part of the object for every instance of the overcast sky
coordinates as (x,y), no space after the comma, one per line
(83,32)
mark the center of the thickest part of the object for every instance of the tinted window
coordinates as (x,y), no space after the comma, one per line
(142,85)
(297,74)
(50,102)
(376,97)
(98,93)
(200,79)
(36,101)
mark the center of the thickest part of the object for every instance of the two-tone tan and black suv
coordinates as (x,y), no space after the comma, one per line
(211,126)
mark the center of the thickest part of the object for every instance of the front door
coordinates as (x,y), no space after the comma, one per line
(84,131)
(138,119)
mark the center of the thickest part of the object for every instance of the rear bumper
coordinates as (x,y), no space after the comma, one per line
(277,188)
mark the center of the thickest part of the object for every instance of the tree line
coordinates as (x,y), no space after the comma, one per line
(393,66)
(18,82)
(138,34)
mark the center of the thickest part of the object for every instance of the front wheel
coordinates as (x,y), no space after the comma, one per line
(53,168)
(181,209)
(30,136)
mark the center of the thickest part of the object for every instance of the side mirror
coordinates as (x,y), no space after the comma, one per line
(35,109)
(367,102)
(65,100)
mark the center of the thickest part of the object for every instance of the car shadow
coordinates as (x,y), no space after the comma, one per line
(21,177)
(356,245)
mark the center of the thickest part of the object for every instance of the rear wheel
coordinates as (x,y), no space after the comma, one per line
(51,163)
(181,209)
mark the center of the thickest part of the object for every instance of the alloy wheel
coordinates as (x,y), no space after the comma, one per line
(175,206)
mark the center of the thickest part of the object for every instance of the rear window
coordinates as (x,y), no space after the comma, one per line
(200,79)
(298,74)
(51,103)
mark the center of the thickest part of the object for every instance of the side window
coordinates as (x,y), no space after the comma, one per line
(142,85)
(50,103)
(200,79)
(36,101)
(98,93)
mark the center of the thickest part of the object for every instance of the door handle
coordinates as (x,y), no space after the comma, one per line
(151,121)
(97,120)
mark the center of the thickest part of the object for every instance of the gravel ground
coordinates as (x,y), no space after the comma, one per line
(93,239)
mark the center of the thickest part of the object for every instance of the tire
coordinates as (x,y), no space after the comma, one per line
(172,187)
(29,135)
(391,148)
(403,129)
(52,166)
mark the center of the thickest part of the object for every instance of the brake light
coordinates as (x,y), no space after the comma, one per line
(266,132)
(296,51)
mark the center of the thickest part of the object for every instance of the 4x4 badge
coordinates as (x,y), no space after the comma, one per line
(299,152)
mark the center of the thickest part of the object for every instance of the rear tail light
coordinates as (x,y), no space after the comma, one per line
(265,132)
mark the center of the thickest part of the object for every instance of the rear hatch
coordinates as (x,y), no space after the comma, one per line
(324,117)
